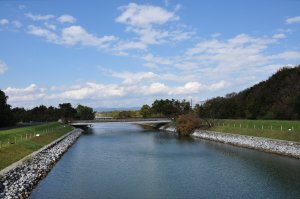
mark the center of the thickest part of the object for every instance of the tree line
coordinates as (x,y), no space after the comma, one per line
(10,116)
(276,98)
(166,108)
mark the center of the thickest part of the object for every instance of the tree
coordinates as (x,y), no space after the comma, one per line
(6,115)
(170,108)
(187,123)
(20,114)
(276,98)
(145,111)
(67,112)
(84,113)
(125,114)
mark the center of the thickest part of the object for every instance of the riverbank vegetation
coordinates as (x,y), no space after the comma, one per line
(20,142)
(186,124)
(273,129)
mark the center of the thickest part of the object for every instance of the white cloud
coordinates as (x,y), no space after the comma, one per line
(188,88)
(157,59)
(66,19)
(216,55)
(217,86)
(4,22)
(150,24)
(30,93)
(153,89)
(39,17)
(144,15)
(90,90)
(134,78)
(3,67)
(241,51)
(41,32)
(279,36)
(129,45)
(287,55)
(70,36)
(292,20)
(74,35)
(50,26)
(196,87)
(17,24)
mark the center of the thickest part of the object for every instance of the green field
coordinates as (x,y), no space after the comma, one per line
(15,144)
(274,129)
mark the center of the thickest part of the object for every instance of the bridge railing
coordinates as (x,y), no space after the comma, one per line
(122,120)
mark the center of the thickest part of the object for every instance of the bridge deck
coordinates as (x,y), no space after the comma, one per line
(87,123)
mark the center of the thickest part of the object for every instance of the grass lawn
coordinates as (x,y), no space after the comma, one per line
(12,152)
(274,129)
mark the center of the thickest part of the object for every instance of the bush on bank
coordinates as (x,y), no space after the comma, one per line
(187,123)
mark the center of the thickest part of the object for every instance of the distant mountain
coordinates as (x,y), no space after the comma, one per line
(105,109)
(276,98)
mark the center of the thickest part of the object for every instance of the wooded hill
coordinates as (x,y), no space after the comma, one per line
(276,98)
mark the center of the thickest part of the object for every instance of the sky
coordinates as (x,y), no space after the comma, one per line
(129,53)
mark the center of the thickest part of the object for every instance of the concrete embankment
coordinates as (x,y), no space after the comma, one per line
(280,147)
(18,180)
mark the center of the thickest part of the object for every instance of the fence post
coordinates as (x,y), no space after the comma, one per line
(26,136)
(254,125)
(262,126)
(234,125)
(240,125)
(8,141)
(271,128)
(281,127)
(292,128)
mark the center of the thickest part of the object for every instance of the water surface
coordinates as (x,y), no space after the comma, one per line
(119,160)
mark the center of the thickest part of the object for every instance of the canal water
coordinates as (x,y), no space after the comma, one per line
(119,160)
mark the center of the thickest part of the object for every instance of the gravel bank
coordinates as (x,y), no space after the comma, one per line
(168,129)
(280,147)
(20,180)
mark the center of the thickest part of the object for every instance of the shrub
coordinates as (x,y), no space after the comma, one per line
(187,123)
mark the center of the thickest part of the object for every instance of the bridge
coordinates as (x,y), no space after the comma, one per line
(153,121)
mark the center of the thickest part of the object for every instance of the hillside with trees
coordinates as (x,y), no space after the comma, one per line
(276,98)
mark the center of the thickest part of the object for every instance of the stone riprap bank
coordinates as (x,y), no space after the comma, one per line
(21,180)
(281,147)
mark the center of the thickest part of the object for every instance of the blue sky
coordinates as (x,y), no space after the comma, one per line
(129,53)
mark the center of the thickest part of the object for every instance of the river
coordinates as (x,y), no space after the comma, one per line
(120,160)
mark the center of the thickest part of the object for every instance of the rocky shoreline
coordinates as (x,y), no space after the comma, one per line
(281,147)
(19,181)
